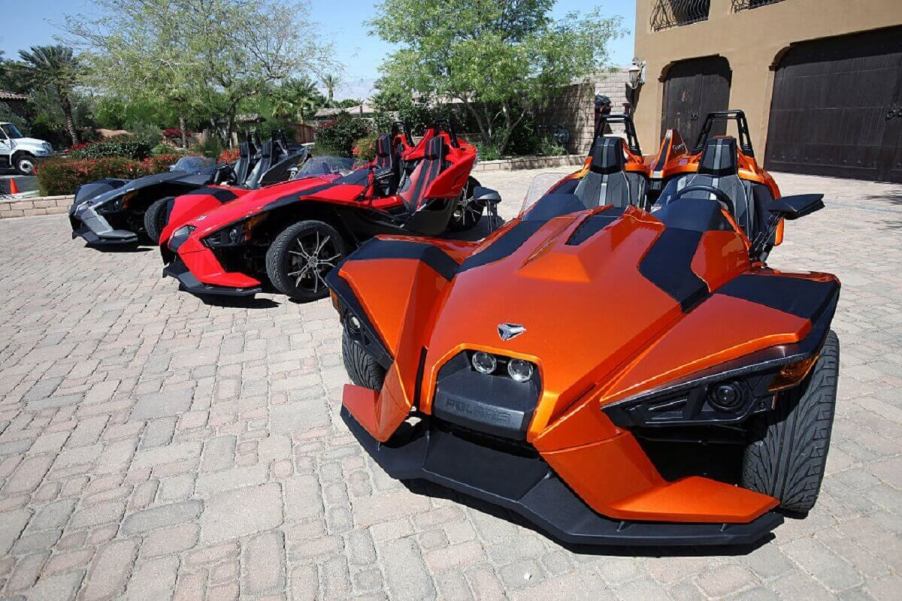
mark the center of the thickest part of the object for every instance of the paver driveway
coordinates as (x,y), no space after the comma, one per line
(153,445)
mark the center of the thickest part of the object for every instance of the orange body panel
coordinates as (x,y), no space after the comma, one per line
(598,329)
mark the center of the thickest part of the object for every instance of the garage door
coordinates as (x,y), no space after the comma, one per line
(837,108)
(692,89)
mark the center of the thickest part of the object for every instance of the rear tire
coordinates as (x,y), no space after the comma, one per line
(468,213)
(788,461)
(155,218)
(362,368)
(301,256)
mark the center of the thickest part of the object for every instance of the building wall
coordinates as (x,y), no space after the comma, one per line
(752,41)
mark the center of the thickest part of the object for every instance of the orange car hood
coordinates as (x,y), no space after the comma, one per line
(586,308)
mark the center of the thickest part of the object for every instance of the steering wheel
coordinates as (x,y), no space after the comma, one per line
(718,194)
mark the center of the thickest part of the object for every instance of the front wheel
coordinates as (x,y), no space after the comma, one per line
(301,256)
(468,211)
(362,367)
(789,459)
(24,164)
(155,218)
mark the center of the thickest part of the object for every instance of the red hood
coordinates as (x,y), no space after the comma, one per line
(252,203)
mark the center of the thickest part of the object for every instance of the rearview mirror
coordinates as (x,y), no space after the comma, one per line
(486,195)
(799,205)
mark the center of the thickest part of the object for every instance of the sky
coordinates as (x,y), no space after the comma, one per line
(26,24)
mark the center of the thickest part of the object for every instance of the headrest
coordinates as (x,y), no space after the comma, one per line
(383,146)
(719,157)
(607,155)
(435,149)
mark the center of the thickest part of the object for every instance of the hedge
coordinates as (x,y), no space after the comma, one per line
(63,175)
(122,146)
(339,135)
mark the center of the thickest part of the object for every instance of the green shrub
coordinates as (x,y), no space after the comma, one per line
(487,152)
(340,134)
(63,175)
(365,147)
(165,149)
(548,146)
(121,146)
(210,148)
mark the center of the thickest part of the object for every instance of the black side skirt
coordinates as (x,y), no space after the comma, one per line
(526,485)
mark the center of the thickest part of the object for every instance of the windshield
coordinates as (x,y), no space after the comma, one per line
(11,130)
(193,164)
(539,186)
(326,165)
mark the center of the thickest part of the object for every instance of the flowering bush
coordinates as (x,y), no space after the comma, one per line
(173,133)
(365,148)
(63,175)
(339,135)
(120,146)
(229,155)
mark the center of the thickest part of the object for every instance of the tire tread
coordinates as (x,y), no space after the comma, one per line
(789,460)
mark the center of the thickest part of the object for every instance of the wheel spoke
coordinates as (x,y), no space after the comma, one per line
(321,245)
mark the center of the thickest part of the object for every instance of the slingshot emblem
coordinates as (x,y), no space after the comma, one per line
(507,331)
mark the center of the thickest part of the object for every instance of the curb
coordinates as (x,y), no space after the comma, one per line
(531,162)
(29,207)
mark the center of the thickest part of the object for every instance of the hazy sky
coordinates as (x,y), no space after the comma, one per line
(26,24)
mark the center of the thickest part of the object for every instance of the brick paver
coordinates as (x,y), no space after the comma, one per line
(153,446)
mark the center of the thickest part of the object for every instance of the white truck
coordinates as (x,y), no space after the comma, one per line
(18,152)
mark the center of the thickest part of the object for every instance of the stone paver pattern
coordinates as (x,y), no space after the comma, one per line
(156,447)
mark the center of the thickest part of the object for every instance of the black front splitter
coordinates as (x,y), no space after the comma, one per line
(111,239)
(189,283)
(525,484)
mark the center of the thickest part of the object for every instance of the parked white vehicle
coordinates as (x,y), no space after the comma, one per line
(18,152)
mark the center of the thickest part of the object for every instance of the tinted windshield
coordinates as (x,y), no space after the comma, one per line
(192,164)
(11,130)
(325,165)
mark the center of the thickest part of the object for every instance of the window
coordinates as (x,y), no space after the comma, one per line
(673,13)
(11,130)
(739,5)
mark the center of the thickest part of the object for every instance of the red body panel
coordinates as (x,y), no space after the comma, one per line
(202,262)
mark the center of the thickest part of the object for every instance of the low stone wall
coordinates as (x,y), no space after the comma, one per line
(530,163)
(28,207)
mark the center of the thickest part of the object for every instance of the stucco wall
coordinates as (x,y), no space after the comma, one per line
(752,41)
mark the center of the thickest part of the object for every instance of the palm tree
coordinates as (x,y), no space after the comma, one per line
(54,67)
(331,82)
(297,98)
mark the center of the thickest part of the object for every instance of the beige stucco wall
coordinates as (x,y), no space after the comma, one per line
(751,40)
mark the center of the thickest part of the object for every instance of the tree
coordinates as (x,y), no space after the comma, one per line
(500,60)
(297,99)
(54,68)
(203,58)
(331,82)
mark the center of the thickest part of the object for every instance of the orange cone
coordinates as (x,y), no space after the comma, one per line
(13,187)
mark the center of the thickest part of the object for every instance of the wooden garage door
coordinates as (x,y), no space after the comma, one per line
(837,108)
(692,89)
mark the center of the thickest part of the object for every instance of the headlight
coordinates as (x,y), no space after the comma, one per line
(235,234)
(118,204)
(725,396)
(520,370)
(114,206)
(484,363)
(179,237)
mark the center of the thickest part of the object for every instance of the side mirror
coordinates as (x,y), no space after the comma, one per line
(486,195)
(799,205)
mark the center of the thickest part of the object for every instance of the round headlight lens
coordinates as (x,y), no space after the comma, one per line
(727,397)
(484,363)
(520,370)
